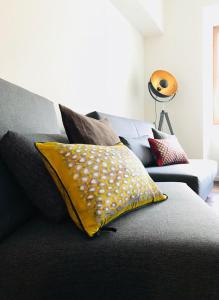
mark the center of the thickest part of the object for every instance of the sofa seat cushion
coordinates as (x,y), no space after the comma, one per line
(199,174)
(166,251)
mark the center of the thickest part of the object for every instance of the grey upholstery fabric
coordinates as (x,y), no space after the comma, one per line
(199,174)
(161,135)
(125,127)
(25,112)
(15,208)
(25,163)
(168,250)
(140,146)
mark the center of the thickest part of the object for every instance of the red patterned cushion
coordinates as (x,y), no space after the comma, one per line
(168,152)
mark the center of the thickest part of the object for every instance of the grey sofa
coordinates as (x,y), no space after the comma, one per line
(199,174)
(169,250)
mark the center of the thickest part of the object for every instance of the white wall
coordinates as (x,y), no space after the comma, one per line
(211,131)
(145,15)
(180,50)
(81,53)
(155,9)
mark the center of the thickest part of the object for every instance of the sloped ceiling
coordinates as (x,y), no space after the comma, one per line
(145,15)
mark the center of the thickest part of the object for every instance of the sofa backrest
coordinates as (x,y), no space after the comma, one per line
(125,127)
(24,112)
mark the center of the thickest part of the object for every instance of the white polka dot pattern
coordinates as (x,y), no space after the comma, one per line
(102,181)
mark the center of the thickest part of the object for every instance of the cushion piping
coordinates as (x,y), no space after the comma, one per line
(75,211)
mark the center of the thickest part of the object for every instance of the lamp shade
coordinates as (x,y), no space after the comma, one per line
(163,84)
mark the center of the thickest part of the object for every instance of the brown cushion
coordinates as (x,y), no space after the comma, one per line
(84,130)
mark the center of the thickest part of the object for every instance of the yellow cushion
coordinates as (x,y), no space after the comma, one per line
(98,183)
